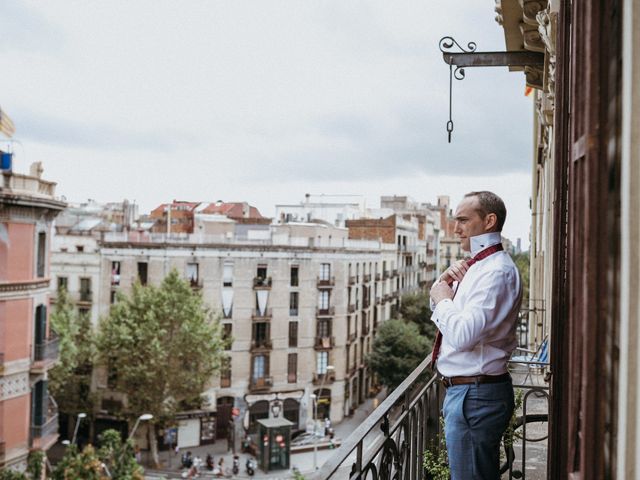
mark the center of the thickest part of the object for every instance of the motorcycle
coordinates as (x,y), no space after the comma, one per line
(251,467)
(236,465)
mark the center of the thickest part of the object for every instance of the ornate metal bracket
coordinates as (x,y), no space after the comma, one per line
(446,44)
(468,57)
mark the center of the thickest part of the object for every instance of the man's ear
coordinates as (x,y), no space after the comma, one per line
(490,221)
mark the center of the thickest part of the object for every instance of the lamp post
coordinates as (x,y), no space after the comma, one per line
(316,398)
(143,417)
(75,431)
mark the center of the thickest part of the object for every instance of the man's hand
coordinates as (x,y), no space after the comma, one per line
(455,273)
(441,290)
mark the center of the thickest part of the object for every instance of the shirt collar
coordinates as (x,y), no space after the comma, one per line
(486,240)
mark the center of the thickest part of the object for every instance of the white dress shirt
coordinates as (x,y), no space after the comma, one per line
(479,325)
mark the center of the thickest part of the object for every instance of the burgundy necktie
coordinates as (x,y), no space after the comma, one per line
(480,256)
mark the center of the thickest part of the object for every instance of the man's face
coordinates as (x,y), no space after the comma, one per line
(469,223)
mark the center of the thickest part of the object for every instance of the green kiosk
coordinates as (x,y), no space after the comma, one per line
(275,443)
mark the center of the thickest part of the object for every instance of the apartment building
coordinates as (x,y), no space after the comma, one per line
(28,349)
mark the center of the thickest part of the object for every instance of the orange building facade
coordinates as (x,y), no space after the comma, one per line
(28,349)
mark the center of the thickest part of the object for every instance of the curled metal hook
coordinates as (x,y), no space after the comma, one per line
(447,43)
(458,73)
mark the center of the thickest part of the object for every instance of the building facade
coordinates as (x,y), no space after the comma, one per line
(28,348)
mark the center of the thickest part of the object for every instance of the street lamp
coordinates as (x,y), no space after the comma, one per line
(144,417)
(75,431)
(315,416)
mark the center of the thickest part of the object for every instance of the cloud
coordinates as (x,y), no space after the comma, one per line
(24,29)
(61,131)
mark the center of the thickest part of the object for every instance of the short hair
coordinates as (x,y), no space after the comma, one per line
(489,202)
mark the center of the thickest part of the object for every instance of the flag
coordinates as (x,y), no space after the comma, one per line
(528,91)
(6,124)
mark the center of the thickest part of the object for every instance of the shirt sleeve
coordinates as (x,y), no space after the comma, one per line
(465,327)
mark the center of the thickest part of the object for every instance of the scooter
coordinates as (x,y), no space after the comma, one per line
(236,465)
(251,467)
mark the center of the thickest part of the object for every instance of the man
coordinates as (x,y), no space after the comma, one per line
(475,305)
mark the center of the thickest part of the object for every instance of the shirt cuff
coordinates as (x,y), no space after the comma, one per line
(442,305)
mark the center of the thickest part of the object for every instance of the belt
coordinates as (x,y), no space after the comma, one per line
(477,379)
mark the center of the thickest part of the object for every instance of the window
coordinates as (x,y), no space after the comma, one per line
(322,362)
(293,304)
(225,372)
(260,333)
(323,300)
(348,357)
(192,274)
(80,248)
(142,272)
(260,366)
(262,272)
(84,311)
(293,334)
(85,289)
(42,250)
(227,337)
(295,281)
(292,368)
(227,275)
(115,273)
(63,282)
(324,328)
(112,298)
(325,271)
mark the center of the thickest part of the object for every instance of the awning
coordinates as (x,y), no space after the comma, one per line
(6,124)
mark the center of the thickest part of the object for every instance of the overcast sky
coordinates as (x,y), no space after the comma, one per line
(262,101)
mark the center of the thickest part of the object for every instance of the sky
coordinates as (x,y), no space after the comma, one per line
(262,101)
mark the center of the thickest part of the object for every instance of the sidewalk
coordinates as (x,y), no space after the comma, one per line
(304,461)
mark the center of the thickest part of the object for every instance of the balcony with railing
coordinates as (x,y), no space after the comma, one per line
(324,342)
(45,354)
(390,443)
(353,280)
(378,277)
(324,378)
(351,308)
(366,277)
(260,344)
(44,433)
(261,315)
(260,283)
(325,312)
(323,283)
(260,384)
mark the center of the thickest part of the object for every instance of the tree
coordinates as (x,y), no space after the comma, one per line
(119,457)
(416,308)
(397,350)
(161,345)
(522,262)
(75,465)
(70,378)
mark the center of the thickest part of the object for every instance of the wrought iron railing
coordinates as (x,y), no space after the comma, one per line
(47,350)
(391,441)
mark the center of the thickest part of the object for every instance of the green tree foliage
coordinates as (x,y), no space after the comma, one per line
(522,262)
(75,465)
(416,308)
(397,350)
(119,456)
(70,379)
(8,474)
(162,345)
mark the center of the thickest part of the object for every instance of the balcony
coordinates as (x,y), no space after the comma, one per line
(366,277)
(261,316)
(324,378)
(260,283)
(351,308)
(386,275)
(393,438)
(86,296)
(365,328)
(378,277)
(323,283)
(394,272)
(324,343)
(325,312)
(352,337)
(45,434)
(45,354)
(352,279)
(260,384)
(261,344)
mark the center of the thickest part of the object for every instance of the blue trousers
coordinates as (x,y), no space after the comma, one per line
(475,418)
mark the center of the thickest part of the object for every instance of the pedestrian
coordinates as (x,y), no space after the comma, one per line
(475,307)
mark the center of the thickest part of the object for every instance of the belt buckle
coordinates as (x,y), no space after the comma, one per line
(446,381)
